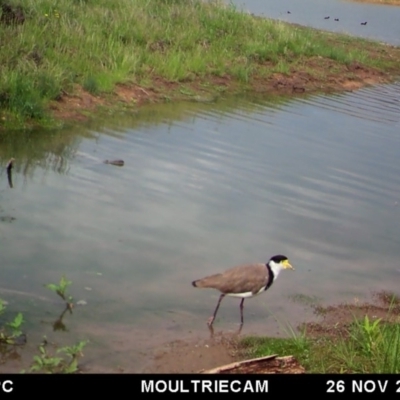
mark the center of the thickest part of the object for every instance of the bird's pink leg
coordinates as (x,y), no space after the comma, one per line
(211,319)
(241,312)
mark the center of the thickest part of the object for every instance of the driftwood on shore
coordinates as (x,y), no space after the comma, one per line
(262,365)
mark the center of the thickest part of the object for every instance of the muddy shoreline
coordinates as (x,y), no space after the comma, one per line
(81,106)
(221,349)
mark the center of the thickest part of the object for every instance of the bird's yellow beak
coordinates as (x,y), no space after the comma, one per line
(286,264)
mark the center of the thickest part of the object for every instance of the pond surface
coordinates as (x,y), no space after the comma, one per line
(204,187)
(382,20)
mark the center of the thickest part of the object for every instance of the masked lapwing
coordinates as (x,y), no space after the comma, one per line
(244,281)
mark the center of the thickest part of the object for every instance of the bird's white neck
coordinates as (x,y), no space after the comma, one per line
(276,268)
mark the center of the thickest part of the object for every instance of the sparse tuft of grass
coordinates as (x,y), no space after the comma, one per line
(366,347)
(372,347)
(91,85)
(298,347)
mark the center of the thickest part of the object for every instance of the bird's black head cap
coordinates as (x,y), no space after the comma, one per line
(278,258)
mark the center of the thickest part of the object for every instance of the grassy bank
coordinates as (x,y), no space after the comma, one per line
(62,58)
(367,342)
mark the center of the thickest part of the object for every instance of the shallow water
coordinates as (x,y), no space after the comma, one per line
(382,20)
(204,187)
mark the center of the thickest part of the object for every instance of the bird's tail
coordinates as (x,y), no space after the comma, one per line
(207,282)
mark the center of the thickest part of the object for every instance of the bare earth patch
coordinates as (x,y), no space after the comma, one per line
(194,356)
(71,106)
(337,319)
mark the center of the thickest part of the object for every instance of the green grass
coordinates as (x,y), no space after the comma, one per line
(97,44)
(366,347)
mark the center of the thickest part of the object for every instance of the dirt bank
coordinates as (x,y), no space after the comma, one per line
(326,77)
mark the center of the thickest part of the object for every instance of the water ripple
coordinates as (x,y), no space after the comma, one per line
(315,178)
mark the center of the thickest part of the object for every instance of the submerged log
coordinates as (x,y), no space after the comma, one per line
(262,365)
(119,163)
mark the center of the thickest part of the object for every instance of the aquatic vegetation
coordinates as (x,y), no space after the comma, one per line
(64,359)
(51,363)
(10,332)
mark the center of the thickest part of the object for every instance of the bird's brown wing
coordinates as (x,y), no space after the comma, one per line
(240,279)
